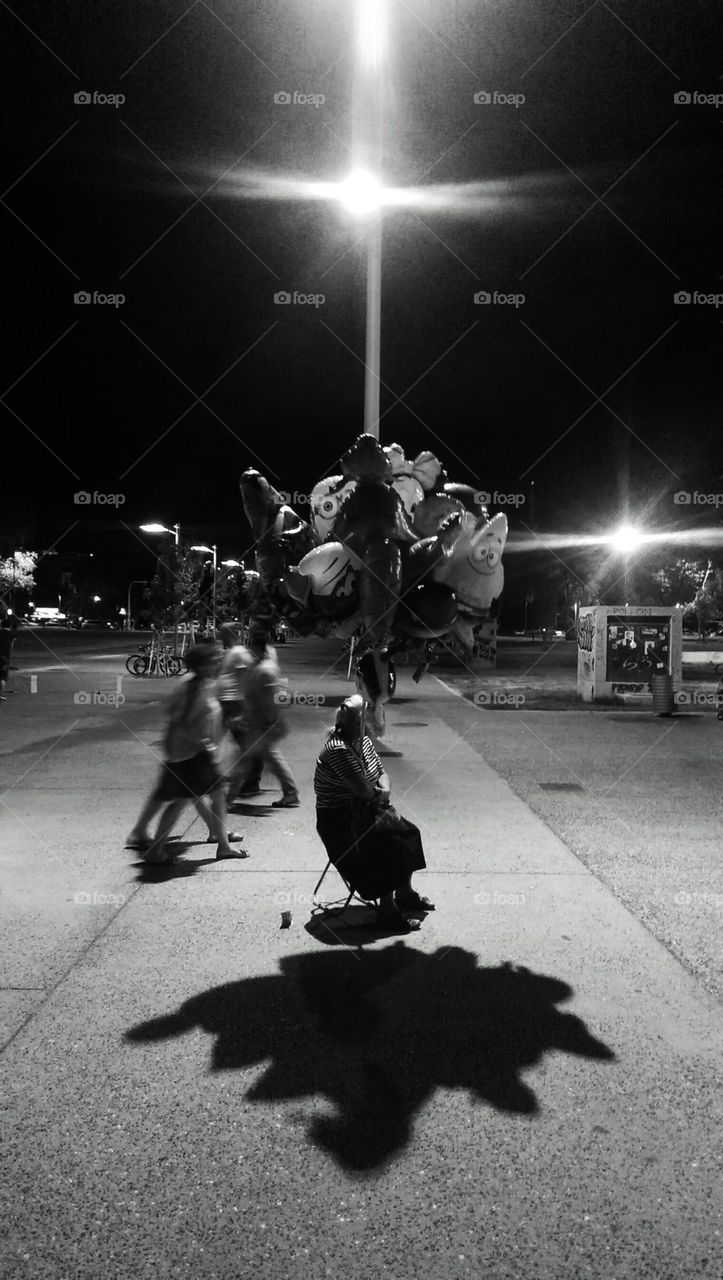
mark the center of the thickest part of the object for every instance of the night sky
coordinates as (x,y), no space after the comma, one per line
(104,398)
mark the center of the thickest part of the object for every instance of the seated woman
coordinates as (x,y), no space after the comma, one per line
(377,861)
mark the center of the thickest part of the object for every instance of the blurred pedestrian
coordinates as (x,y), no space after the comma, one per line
(236,661)
(264,719)
(191,770)
(8,632)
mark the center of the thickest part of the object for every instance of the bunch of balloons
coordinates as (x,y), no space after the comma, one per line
(393,554)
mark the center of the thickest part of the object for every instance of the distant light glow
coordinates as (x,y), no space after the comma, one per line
(202,548)
(371,33)
(155,528)
(361,192)
(682,539)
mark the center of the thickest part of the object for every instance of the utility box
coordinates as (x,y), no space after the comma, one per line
(620,648)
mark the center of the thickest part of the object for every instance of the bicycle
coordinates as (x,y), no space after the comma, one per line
(155,659)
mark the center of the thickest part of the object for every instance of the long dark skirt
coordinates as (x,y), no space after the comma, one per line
(376,863)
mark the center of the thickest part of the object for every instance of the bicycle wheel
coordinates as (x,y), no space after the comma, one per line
(136,665)
(176,665)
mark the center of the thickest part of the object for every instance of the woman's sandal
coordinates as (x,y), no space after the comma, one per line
(140,846)
(415,902)
(233,837)
(397,923)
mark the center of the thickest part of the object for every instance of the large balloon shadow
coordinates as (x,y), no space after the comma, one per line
(377,1031)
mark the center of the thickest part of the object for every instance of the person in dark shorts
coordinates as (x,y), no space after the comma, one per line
(191,770)
(377,860)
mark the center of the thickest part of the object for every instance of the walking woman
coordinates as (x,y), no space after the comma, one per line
(191,770)
(375,849)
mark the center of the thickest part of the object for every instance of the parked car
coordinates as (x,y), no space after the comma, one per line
(101,624)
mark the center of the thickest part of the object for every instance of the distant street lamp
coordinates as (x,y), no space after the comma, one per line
(211,551)
(161,528)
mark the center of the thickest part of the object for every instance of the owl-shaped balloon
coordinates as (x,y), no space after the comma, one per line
(326,499)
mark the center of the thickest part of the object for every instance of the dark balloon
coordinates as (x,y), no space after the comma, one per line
(427,611)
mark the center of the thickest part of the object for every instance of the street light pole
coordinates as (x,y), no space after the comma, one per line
(367,147)
(201,546)
(176,532)
(215,577)
(372,364)
(134,583)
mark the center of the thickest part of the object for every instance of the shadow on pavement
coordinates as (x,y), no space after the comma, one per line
(377,1032)
(162,872)
(357,926)
(249,809)
(80,735)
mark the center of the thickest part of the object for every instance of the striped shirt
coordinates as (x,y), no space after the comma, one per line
(337,762)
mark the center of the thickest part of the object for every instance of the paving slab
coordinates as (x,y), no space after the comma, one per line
(528,1088)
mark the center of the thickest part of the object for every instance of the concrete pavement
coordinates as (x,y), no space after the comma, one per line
(528,1088)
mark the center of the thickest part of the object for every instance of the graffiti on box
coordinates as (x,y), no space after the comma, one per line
(636,648)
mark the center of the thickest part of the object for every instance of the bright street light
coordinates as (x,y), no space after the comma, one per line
(361,193)
(627,538)
(232,564)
